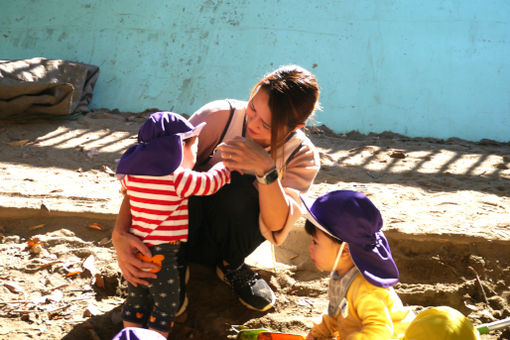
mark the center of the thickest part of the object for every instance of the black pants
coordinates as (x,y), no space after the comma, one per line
(225,226)
(164,292)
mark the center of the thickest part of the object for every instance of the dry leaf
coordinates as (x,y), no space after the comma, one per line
(33,242)
(19,142)
(35,227)
(104,241)
(96,226)
(99,280)
(47,264)
(73,273)
(56,295)
(91,310)
(56,190)
(36,249)
(106,169)
(89,264)
(398,154)
(13,287)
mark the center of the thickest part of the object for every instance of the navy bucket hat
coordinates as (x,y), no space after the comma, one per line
(351,217)
(159,148)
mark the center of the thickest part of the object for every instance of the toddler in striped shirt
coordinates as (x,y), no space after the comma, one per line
(157,176)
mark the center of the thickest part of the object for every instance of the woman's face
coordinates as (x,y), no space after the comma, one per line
(258,118)
(323,251)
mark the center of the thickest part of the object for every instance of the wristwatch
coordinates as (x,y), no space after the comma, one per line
(269,177)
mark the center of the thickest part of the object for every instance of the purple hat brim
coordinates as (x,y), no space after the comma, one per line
(136,333)
(375,264)
(308,202)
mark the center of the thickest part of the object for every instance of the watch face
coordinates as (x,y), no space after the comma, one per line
(272,176)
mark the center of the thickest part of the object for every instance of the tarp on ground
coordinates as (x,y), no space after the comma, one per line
(40,86)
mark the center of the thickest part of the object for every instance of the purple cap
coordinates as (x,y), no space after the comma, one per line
(159,148)
(351,217)
(135,333)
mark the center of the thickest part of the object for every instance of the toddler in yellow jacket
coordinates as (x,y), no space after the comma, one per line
(347,241)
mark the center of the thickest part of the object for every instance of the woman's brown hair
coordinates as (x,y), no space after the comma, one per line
(293,97)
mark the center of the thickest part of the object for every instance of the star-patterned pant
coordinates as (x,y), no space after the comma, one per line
(164,292)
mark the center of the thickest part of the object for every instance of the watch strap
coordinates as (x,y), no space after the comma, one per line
(269,177)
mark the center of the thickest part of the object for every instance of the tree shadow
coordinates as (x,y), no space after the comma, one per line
(428,163)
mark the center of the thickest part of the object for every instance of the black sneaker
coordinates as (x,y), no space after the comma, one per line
(252,290)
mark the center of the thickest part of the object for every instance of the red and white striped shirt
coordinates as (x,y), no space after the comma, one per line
(159,204)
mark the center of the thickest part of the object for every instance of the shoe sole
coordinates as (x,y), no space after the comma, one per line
(186,301)
(221,276)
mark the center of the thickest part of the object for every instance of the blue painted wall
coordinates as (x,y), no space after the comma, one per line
(420,68)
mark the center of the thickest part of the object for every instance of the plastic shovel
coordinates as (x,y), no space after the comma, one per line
(491,326)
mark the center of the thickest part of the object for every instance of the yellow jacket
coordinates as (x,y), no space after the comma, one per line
(373,313)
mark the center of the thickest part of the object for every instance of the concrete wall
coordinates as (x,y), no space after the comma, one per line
(420,68)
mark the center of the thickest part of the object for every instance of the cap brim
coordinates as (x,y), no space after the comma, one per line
(376,264)
(195,132)
(308,202)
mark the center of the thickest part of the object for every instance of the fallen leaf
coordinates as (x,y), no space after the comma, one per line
(89,264)
(73,273)
(13,287)
(36,249)
(56,295)
(19,142)
(33,242)
(106,169)
(49,264)
(91,310)
(398,154)
(104,241)
(99,280)
(96,226)
(35,227)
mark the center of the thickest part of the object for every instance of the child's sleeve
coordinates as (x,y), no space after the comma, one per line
(325,329)
(372,307)
(189,182)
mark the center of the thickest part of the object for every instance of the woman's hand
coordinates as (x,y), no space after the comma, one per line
(127,245)
(134,270)
(245,156)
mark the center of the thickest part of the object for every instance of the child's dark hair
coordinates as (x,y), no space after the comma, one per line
(311,230)
(190,140)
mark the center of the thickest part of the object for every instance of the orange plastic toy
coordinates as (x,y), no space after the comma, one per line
(156,259)
(278,336)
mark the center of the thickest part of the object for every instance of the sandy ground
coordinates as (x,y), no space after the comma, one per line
(446,206)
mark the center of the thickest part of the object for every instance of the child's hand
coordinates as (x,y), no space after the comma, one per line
(310,337)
